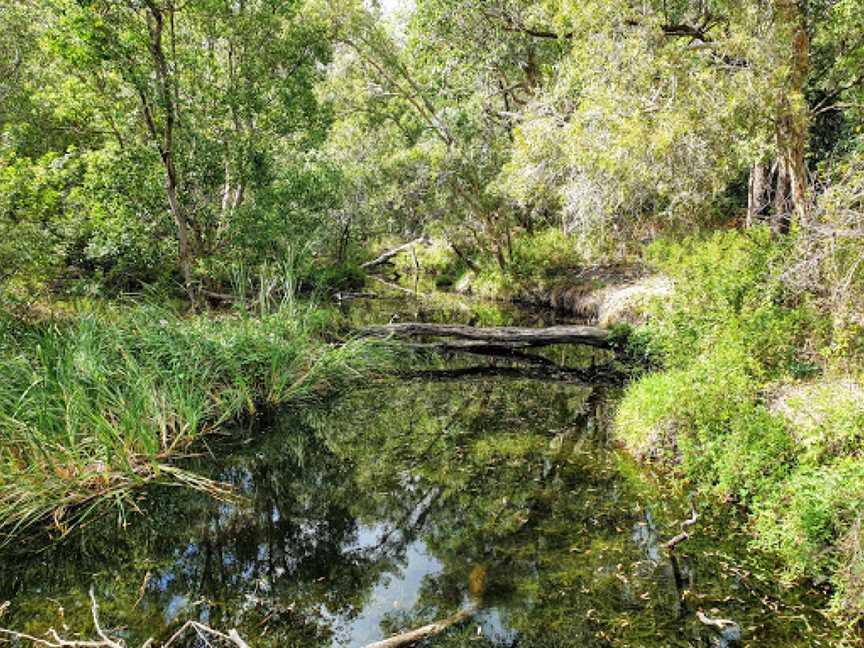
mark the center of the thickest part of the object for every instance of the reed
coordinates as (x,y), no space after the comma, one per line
(94,406)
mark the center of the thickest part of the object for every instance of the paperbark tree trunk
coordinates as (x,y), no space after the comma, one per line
(757,195)
(793,113)
(782,215)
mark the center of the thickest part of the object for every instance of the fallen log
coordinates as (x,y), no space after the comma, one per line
(500,335)
(413,636)
(389,254)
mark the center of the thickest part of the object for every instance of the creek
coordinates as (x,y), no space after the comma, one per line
(406,501)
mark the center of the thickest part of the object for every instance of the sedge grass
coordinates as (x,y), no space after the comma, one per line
(92,407)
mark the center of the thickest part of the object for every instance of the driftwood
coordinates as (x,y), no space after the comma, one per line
(685,525)
(104,641)
(413,636)
(389,254)
(500,335)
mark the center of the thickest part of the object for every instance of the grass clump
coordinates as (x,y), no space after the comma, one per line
(91,407)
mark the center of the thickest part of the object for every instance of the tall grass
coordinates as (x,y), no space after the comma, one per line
(93,406)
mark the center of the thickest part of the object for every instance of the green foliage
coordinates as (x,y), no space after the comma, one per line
(678,414)
(727,293)
(785,454)
(535,263)
(339,277)
(813,522)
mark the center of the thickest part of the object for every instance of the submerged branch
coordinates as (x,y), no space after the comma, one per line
(54,640)
(685,525)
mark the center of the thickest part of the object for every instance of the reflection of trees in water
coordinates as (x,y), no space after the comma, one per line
(287,559)
(506,482)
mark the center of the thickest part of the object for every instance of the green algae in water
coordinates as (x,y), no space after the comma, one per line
(401,504)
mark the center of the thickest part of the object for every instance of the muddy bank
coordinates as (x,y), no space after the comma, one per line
(604,296)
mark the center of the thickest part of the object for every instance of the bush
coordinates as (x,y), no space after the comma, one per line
(339,277)
(537,262)
(728,331)
(706,420)
(813,522)
(727,289)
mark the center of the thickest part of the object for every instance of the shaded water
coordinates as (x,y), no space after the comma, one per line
(402,503)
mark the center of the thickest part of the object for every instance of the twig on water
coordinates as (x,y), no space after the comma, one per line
(54,640)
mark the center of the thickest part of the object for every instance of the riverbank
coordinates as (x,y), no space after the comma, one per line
(96,405)
(757,404)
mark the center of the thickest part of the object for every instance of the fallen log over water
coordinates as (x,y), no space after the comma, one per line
(499,335)
(413,636)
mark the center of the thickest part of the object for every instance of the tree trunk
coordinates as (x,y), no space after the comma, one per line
(781,218)
(793,114)
(184,250)
(168,102)
(465,258)
(757,196)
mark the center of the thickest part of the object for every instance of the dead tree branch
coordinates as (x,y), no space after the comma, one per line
(389,254)
(54,640)
(413,636)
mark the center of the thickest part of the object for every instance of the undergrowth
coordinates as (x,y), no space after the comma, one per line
(735,346)
(532,262)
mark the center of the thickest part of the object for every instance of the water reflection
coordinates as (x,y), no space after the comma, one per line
(396,506)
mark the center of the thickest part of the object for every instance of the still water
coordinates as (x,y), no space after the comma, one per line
(402,503)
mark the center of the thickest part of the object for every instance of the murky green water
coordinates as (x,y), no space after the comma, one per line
(403,503)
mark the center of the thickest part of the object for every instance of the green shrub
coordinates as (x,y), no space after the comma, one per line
(787,455)
(547,254)
(537,262)
(812,521)
(727,290)
(681,416)
(826,415)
